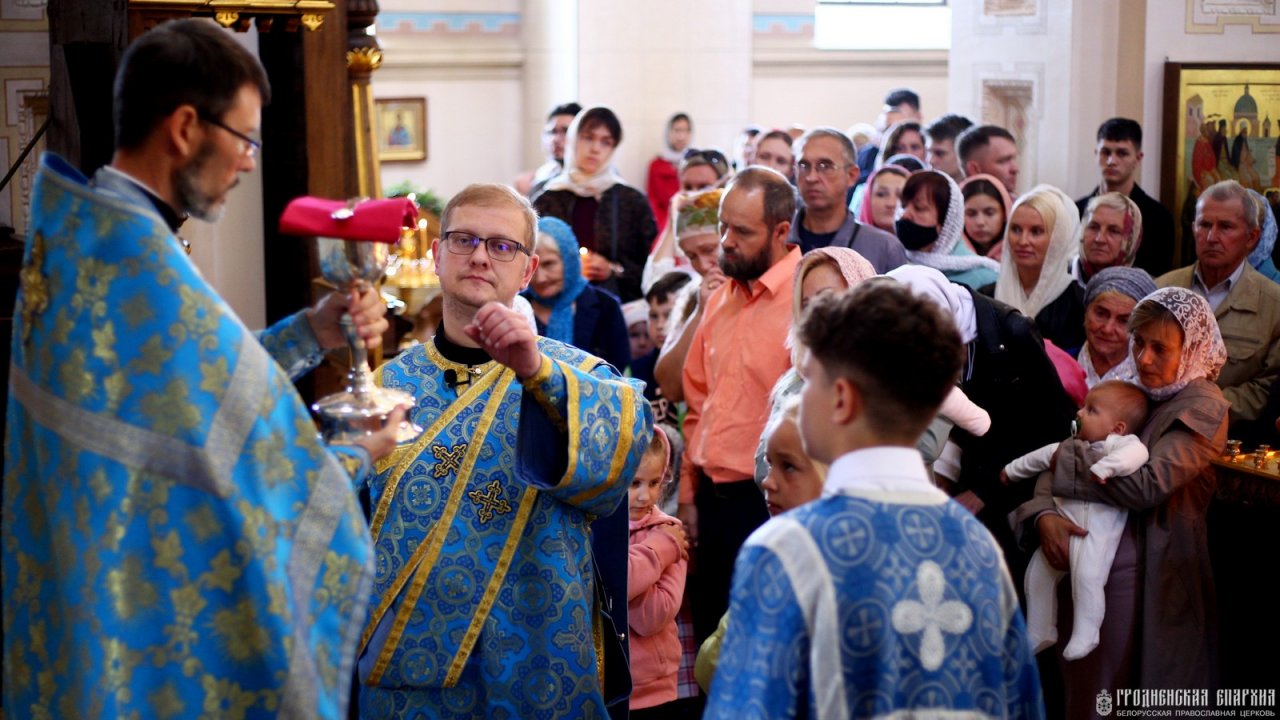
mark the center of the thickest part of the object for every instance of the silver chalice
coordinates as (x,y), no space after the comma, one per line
(362,408)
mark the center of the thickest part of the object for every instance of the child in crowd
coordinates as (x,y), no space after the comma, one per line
(659,299)
(1113,411)
(657,559)
(883,597)
(636,316)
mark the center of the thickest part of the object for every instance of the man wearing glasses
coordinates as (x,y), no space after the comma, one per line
(484,603)
(825,171)
(176,535)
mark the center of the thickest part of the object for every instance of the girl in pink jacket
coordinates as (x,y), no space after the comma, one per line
(656,563)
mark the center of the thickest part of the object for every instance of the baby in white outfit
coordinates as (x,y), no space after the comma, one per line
(1111,411)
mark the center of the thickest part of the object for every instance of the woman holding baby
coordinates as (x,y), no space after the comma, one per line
(1159,630)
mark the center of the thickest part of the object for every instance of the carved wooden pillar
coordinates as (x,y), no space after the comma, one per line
(363,57)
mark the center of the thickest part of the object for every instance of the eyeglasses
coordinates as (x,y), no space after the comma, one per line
(714,158)
(825,168)
(499,248)
(250,146)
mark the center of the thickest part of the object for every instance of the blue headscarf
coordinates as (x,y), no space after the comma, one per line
(1260,258)
(560,324)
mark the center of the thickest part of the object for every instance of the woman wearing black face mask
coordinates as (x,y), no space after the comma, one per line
(930,228)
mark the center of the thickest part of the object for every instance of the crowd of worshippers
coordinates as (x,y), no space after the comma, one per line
(764,441)
(1082,384)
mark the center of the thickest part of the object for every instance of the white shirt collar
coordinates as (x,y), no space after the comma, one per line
(880,470)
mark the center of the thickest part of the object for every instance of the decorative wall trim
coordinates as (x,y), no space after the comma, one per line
(1212,16)
(788,25)
(450,24)
(1024,17)
(1012,96)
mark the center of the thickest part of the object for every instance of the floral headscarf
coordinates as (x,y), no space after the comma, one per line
(1203,352)
(941,256)
(1132,229)
(700,215)
(560,324)
(1054,275)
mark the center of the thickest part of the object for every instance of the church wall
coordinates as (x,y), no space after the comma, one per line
(725,62)
(1186,36)
(1011,65)
(794,82)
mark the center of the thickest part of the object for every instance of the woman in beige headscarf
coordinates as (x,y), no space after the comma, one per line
(1034,277)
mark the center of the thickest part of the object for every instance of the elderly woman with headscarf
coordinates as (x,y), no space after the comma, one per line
(698,239)
(930,228)
(700,171)
(1034,277)
(1260,256)
(611,219)
(1109,299)
(1109,235)
(566,307)
(1160,625)
(1008,374)
(825,270)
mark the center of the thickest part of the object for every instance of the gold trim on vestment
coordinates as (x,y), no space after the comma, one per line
(574,426)
(628,397)
(533,385)
(495,584)
(435,539)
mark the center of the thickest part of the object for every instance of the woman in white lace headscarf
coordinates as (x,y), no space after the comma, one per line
(1034,268)
(930,226)
(1160,627)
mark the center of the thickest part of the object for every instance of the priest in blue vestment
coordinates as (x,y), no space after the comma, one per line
(178,541)
(883,598)
(485,604)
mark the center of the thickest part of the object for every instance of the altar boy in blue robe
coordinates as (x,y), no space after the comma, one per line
(485,603)
(883,598)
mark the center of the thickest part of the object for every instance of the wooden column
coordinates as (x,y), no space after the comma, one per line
(308,149)
(364,56)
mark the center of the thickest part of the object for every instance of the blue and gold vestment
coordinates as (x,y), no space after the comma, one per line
(178,542)
(483,597)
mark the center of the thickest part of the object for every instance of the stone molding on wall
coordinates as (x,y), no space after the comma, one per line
(1012,96)
(1213,16)
(1023,17)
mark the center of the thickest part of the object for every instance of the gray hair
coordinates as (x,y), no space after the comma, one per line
(846,145)
(1229,190)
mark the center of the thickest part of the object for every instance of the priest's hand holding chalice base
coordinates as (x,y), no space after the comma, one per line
(353,242)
